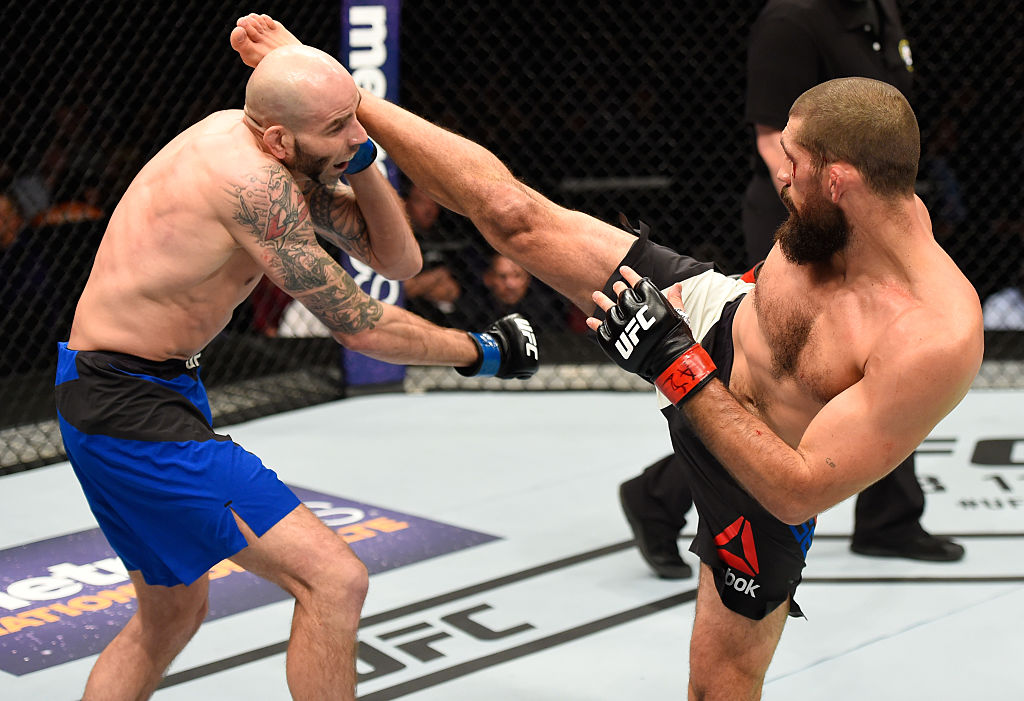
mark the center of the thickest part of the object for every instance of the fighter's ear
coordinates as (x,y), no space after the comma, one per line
(279,141)
(841,176)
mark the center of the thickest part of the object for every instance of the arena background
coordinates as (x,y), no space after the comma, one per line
(605,107)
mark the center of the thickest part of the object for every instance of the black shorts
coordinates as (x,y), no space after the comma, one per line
(757,560)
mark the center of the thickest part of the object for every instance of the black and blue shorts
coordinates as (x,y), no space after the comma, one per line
(161,483)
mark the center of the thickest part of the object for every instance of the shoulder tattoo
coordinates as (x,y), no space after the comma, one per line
(268,204)
(270,209)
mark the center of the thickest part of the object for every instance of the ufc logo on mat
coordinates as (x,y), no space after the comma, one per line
(531,339)
(630,336)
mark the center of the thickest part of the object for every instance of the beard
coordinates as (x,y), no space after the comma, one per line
(815,234)
(308,164)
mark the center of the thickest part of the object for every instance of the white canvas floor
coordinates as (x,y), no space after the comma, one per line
(558,605)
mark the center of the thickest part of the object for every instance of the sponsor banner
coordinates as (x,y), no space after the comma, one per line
(65,598)
(369,49)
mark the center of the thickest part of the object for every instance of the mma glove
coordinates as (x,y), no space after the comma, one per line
(364,158)
(645,335)
(507,349)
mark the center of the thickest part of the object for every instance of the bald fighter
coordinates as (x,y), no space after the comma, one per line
(784,399)
(239,195)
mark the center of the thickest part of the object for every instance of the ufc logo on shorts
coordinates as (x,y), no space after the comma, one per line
(741,584)
(531,339)
(630,336)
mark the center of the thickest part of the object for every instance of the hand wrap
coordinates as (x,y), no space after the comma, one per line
(364,158)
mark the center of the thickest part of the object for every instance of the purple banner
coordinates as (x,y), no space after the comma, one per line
(65,598)
(369,49)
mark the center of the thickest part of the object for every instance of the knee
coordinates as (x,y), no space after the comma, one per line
(725,681)
(343,584)
(511,210)
(180,619)
(355,581)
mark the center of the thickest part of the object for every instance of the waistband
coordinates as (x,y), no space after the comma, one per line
(163,369)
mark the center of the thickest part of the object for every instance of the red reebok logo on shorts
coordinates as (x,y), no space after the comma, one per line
(746,560)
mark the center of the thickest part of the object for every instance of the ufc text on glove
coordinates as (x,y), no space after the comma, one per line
(506,350)
(643,334)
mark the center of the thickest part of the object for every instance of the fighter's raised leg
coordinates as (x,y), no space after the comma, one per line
(568,250)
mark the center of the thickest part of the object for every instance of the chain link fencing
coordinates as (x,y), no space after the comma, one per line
(605,107)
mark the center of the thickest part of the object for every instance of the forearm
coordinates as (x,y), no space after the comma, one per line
(366,220)
(770,470)
(403,338)
(383,331)
(393,248)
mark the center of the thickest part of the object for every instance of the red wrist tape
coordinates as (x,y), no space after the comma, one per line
(686,373)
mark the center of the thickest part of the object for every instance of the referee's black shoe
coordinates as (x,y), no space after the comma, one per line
(656,541)
(925,546)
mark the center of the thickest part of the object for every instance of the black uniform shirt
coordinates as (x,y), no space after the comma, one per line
(797,44)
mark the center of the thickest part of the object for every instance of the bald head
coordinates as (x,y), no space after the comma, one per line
(295,86)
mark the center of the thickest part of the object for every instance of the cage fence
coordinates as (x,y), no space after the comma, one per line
(603,106)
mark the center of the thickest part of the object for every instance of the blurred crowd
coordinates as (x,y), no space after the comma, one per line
(57,191)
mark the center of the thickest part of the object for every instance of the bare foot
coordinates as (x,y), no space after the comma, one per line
(258,35)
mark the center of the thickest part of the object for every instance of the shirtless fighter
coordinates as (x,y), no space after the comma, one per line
(235,197)
(782,400)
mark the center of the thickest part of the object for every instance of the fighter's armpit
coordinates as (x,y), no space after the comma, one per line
(337,217)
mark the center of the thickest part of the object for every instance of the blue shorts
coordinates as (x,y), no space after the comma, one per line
(160,482)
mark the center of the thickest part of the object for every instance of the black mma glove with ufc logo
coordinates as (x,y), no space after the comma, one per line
(645,335)
(506,350)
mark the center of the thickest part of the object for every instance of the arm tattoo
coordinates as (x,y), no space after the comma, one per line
(345,308)
(267,206)
(271,210)
(336,216)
